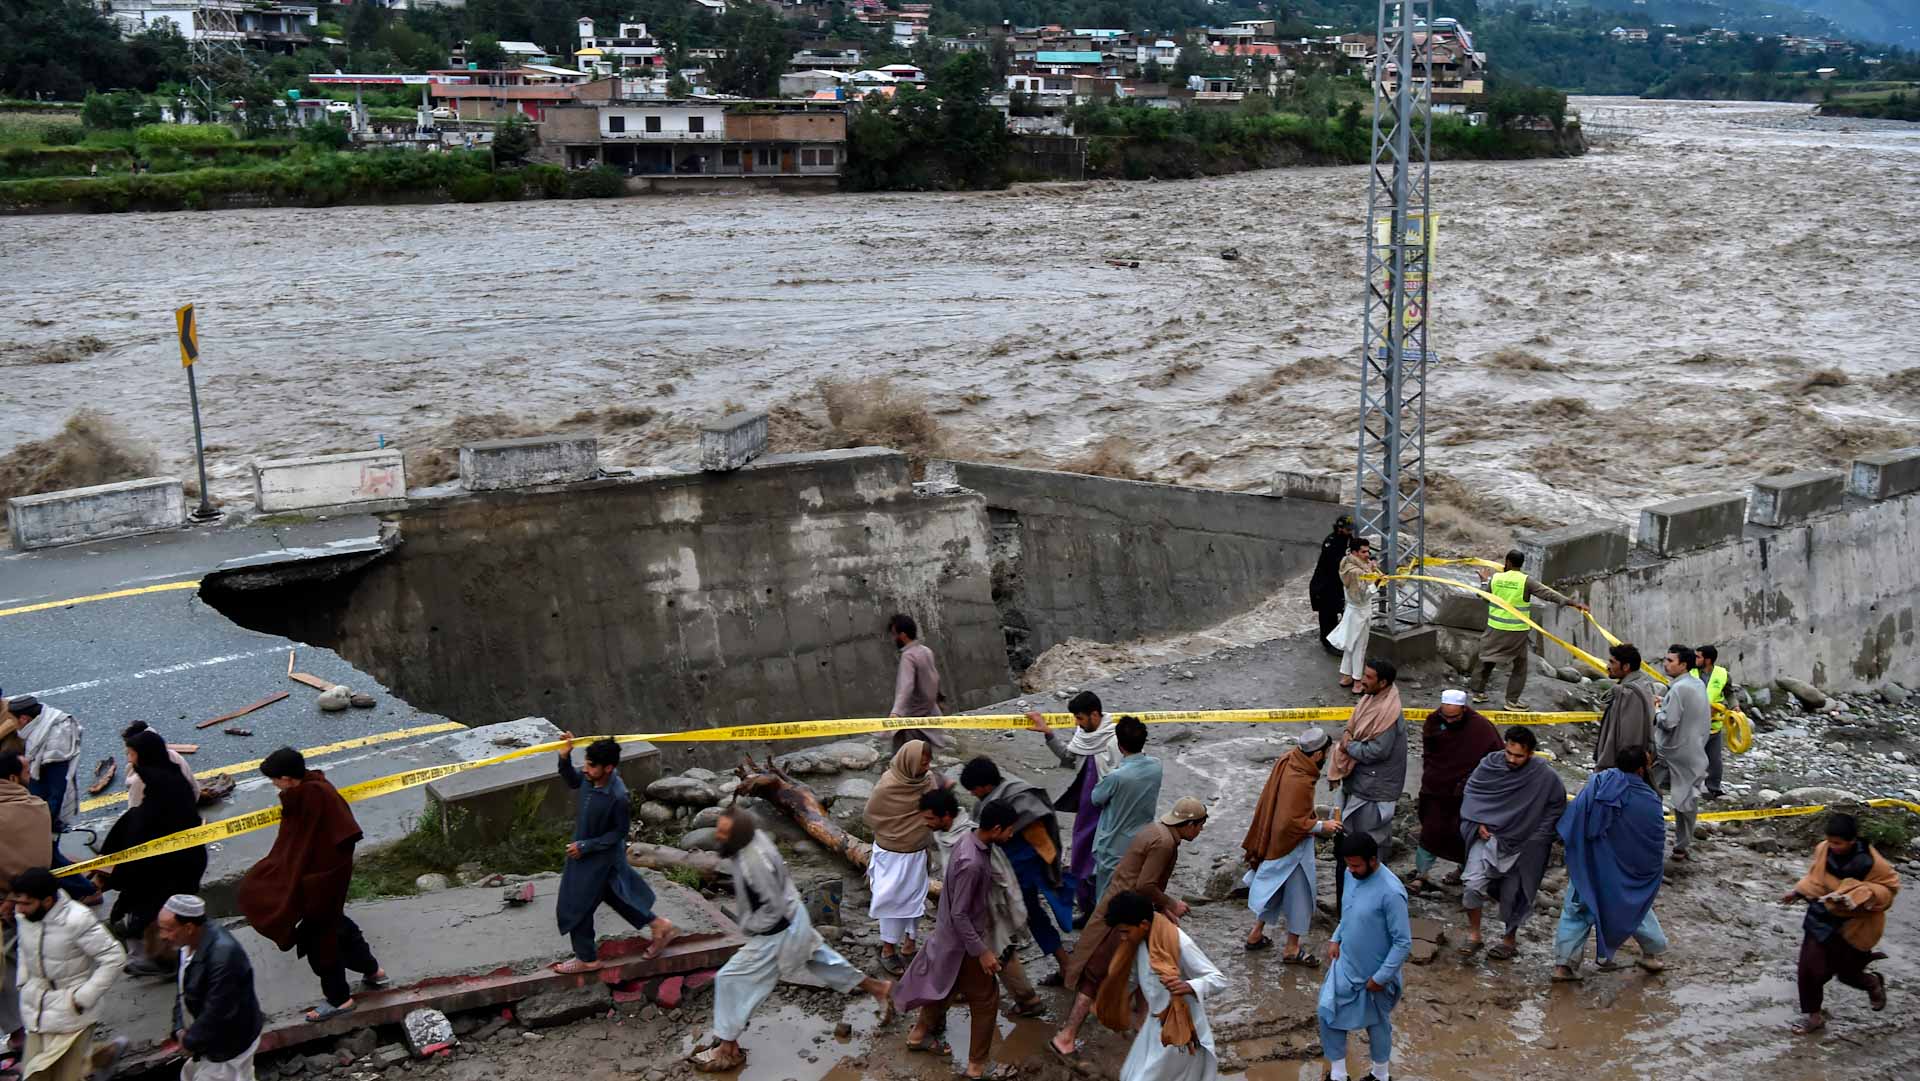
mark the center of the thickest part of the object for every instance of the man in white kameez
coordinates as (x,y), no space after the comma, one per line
(1175,1040)
(781,942)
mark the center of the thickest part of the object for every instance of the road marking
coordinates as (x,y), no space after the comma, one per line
(309,753)
(115,595)
(163,670)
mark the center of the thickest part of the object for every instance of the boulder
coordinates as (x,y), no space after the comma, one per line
(707,818)
(430,883)
(1568,673)
(705,776)
(701,840)
(682,792)
(655,814)
(427,1031)
(1795,797)
(802,763)
(852,788)
(1807,694)
(846,812)
(849,754)
(335,698)
(564,1006)
(1893,694)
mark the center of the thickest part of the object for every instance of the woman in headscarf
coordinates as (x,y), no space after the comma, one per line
(137,788)
(897,870)
(168,806)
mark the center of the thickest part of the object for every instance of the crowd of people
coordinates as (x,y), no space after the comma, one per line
(1093,896)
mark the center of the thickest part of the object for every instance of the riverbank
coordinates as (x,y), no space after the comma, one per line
(1893,105)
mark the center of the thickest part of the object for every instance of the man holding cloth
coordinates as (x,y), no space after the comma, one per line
(1369,949)
(1627,720)
(1034,851)
(780,943)
(216,1015)
(1615,839)
(958,963)
(1509,819)
(597,871)
(1453,741)
(1847,892)
(1175,1041)
(1281,872)
(1681,721)
(1091,754)
(1370,758)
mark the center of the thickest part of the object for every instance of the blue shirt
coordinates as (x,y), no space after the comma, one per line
(1127,798)
(1375,939)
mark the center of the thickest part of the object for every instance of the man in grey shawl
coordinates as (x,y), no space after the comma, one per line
(1509,818)
(781,942)
(1628,719)
(1681,723)
(1035,853)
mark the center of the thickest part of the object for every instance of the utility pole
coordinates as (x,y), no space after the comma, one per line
(188,330)
(1391,489)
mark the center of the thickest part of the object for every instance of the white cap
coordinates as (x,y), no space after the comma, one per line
(1453,696)
(1313,739)
(186,904)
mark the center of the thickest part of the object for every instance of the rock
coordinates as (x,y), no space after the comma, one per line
(360,1043)
(335,698)
(360,701)
(801,763)
(726,788)
(430,883)
(846,812)
(1817,794)
(668,995)
(466,1026)
(831,933)
(531,1036)
(489,1030)
(707,818)
(1230,254)
(1837,747)
(293,1067)
(1423,952)
(427,1031)
(1898,756)
(852,788)
(515,896)
(650,1012)
(849,754)
(701,840)
(1768,795)
(391,1055)
(1807,694)
(682,792)
(843,1030)
(1426,930)
(550,1008)
(1761,697)
(320,1063)
(1569,674)
(655,814)
(704,776)
(1893,694)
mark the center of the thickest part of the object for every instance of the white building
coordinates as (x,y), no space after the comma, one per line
(271,26)
(631,48)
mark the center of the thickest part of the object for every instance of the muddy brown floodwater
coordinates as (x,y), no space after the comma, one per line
(1718,297)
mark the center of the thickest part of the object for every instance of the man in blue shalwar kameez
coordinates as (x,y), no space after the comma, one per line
(597,871)
(1615,836)
(1369,948)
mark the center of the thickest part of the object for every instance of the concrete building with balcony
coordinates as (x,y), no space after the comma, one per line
(271,27)
(697,142)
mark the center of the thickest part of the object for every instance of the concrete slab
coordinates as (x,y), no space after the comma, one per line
(96,513)
(1324,487)
(1408,646)
(1580,550)
(494,796)
(528,463)
(1684,525)
(1795,497)
(732,441)
(1883,476)
(457,949)
(360,479)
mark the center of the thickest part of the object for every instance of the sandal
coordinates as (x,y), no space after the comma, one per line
(1036,1008)
(1572,975)
(1502,952)
(998,1071)
(327,1012)
(661,940)
(1258,944)
(574,965)
(931,1045)
(1305,958)
(1468,948)
(1877,994)
(714,1062)
(892,963)
(376,981)
(1804,1027)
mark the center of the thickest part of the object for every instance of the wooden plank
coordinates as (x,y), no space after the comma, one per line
(183,748)
(244,710)
(315,682)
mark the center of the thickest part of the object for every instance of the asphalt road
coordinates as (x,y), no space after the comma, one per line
(158,654)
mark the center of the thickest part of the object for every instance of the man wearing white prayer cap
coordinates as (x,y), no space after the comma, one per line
(216,1014)
(1456,737)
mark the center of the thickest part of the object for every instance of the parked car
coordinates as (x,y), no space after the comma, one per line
(339,107)
(443,113)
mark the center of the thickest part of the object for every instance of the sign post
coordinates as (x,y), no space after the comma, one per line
(189,334)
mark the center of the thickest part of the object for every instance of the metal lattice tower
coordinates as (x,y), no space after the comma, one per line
(216,58)
(1391,493)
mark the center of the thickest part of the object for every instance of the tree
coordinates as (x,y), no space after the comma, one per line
(485,51)
(512,140)
(757,54)
(364,23)
(677,86)
(1152,73)
(59,49)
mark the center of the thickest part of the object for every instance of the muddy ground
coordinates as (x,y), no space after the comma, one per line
(1720,1010)
(1672,314)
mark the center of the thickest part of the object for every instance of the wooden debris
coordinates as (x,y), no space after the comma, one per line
(244,710)
(216,788)
(236,730)
(183,748)
(797,801)
(315,682)
(668,858)
(103,774)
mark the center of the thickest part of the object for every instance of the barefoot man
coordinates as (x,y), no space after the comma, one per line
(597,870)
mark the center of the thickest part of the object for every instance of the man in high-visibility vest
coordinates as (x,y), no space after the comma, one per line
(1719,680)
(1507,637)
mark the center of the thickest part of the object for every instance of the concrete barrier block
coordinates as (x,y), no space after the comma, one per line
(1580,550)
(329,480)
(1325,487)
(494,798)
(732,441)
(525,463)
(1795,497)
(1885,475)
(103,510)
(1684,525)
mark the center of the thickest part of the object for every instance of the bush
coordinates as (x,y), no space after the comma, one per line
(550,181)
(473,188)
(508,186)
(326,136)
(599,182)
(63,135)
(184,135)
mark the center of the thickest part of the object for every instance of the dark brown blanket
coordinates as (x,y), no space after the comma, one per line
(1447,757)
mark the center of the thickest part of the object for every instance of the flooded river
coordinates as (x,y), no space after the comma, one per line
(1706,302)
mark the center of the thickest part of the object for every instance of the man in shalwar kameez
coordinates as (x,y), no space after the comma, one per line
(1175,1041)
(1282,874)
(1510,818)
(1091,754)
(781,942)
(1369,949)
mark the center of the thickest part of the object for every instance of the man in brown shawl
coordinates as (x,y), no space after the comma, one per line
(1281,872)
(897,870)
(1848,891)
(296,897)
(1146,868)
(1454,740)
(1628,719)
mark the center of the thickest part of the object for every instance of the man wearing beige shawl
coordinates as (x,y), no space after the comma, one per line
(1357,573)
(1175,1040)
(1848,891)
(1369,761)
(897,871)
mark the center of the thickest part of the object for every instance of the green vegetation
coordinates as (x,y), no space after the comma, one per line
(1889,831)
(1891,105)
(440,843)
(943,138)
